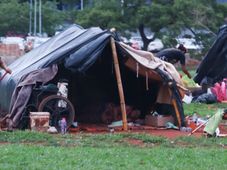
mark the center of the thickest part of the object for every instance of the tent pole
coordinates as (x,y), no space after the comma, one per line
(119,84)
(176,109)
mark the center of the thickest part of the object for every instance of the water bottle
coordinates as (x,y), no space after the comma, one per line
(63,125)
(185,129)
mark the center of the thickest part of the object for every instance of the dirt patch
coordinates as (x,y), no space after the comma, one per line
(162,132)
(135,142)
(4,143)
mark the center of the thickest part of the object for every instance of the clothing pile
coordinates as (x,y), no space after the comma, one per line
(217,93)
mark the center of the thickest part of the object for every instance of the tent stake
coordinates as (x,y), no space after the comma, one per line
(119,84)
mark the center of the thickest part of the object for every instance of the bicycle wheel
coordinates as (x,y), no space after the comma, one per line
(57,112)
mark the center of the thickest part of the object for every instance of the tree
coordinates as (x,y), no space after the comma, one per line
(104,15)
(166,18)
(15,17)
(52,17)
(205,16)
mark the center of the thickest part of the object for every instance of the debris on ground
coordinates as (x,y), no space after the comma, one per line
(211,128)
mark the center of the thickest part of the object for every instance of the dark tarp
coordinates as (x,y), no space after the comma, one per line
(77,47)
(77,50)
(213,67)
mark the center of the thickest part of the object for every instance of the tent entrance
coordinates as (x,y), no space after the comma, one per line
(95,96)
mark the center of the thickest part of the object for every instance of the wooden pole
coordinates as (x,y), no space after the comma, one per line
(175,108)
(177,112)
(119,84)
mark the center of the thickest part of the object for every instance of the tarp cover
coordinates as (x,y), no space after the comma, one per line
(213,67)
(77,47)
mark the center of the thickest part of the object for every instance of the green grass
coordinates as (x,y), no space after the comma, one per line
(189,83)
(32,150)
(39,157)
(203,109)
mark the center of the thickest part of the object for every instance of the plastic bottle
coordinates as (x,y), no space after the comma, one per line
(185,129)
(63,125)
(195,118)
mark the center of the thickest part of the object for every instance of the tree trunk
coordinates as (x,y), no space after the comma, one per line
(145,40)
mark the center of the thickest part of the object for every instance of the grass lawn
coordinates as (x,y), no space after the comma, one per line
(32,150)
(203,109)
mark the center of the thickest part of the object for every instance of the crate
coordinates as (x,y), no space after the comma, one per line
(39,121)
(158,121)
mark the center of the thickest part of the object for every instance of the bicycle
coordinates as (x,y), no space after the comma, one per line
(44,98)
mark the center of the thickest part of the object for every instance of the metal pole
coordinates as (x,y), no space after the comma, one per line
(81,5)
(122,7)
(30,17)
(40,17)
(35,13)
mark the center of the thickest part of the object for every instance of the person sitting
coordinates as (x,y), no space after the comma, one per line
(4,66)
(173,56)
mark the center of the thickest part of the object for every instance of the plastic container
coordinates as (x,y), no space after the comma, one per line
(63,125)
(185,129)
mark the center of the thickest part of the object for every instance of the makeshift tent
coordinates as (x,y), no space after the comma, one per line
(99,70)
(213,67)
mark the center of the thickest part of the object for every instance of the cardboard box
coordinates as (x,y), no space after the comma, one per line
(158,121)
(39,121)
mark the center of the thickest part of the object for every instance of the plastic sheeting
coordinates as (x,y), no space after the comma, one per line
(76,47)
(214,65)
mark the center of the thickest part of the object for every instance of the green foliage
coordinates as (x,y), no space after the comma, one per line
(165,18)
(51,17)
(199,15)
(104,15)
(105,19)
(15,17)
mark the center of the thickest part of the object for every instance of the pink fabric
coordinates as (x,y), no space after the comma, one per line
(219,90)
